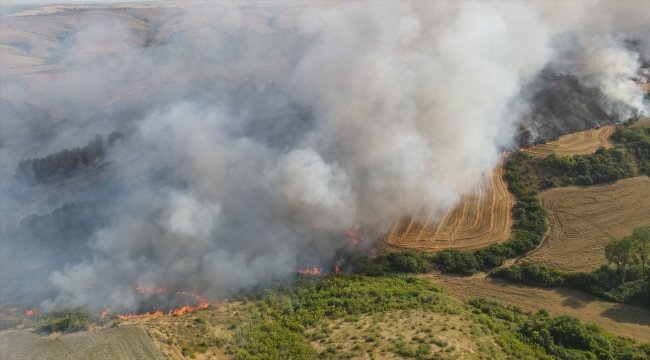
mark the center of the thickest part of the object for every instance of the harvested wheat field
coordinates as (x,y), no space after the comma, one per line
(619,319)
(479,220)
(644,85)
(579,143)
(583,220)
(125,342)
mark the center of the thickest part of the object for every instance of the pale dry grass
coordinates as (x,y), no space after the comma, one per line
(579,143)
(480,219)
(584,219)
(124,342)
(619,319)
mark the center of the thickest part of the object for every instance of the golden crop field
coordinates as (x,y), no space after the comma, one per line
(579,143)
(583,220)
(619,319)
(124,342)
(480,219)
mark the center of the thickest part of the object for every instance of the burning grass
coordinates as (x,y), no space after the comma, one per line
(201,302)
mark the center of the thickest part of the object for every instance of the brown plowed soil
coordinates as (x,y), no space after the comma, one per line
(478,220)
(619,319)
(584,219)
(579,143)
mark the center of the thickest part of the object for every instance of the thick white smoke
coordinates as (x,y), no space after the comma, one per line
(401,96)
(612,69)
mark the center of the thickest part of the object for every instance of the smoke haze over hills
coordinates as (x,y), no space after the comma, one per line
(257,134)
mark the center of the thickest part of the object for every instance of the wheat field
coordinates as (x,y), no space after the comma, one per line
(579,143)
(480,218)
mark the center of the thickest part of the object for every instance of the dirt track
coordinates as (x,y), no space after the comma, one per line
(583,220)
(580,143)
(480,219)
(619,319)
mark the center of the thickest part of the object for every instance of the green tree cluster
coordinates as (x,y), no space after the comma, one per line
(627,283)
(69,225)
(60,165)
(64,163)
(287,309)
(604,166)
(631,249)
(68,321)
(540,336)
(636,139)
(629,157)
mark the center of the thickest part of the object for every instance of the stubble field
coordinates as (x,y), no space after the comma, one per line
(480,219)
(579,143)
(583,220)
(619,319)
(124,342)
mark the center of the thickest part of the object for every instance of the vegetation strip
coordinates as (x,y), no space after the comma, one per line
(627,283)
(64,163)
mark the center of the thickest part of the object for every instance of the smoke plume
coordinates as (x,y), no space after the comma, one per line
(256,136)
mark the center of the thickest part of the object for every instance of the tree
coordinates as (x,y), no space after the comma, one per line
(114,136)
(641,236)
(620,252)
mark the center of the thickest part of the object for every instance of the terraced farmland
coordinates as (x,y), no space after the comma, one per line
(583,220)
(125,342)
(480,219)
(579,143)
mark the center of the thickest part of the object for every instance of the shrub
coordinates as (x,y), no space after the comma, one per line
(456,261)
(69,321)
(61,164)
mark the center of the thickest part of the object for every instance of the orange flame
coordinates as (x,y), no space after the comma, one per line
(203,304)
(30,312)
(104,312)
(313,271)
(354,235)
(337,269)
